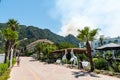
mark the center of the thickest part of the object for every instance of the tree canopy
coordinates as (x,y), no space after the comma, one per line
(86,34)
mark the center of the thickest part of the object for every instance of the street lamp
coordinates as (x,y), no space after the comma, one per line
(12,52)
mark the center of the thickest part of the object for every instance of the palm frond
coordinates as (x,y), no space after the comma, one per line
(86,34)
(13,24)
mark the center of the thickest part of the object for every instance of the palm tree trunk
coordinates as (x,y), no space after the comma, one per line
(90,56)
(6,51)
(11,45)
(91,63)
(5,59)
(81,66)
(14,52)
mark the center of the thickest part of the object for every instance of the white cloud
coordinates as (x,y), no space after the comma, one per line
(103,14)
(75,23)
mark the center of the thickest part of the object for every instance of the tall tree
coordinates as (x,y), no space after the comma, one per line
(87,35)
(8,35)
(13,24)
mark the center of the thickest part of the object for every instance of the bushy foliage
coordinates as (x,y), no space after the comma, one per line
(5,75)
(3,68)
(47,52)
(28,53)
(4,71)
(81,56)
(64,61)
(44,50)
(98,54)
(1,50)
(110,68)
(109,55)
(119,68)
(13,61)
(100,63)
(119,56)
(49,48)
(65,45)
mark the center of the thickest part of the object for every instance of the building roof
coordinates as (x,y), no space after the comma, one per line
(77,50)
(110,46)
(32,45)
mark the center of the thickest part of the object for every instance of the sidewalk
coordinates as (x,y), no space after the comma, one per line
(23,72)
(30,69)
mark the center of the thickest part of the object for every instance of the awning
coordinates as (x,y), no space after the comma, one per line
(110,46)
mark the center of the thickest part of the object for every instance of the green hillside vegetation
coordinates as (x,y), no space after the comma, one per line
(35,33)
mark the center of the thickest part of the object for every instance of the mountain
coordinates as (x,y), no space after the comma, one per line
(35,33)
(71,39)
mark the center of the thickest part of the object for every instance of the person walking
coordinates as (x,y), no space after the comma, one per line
(18,61)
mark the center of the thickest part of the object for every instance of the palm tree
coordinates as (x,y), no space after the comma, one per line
(13,24)
(8,35)
(87,35)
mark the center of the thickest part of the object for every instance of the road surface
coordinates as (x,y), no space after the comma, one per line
(31,69)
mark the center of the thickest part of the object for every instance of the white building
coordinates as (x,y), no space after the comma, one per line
(97,43)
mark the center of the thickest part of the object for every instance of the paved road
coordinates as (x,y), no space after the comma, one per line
(30,69)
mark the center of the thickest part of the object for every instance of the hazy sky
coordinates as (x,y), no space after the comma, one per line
(65,16)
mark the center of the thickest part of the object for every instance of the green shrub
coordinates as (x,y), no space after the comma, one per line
(110,68)
(28,53)
(4,71)
(64,61)
(82,56)
(119,68)
(109,55)
(119,56)
(5,75)
(100,63)
(13,61)
(95,59)
(3,68)
(98,54)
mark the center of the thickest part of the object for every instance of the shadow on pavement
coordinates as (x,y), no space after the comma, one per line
(83,73)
